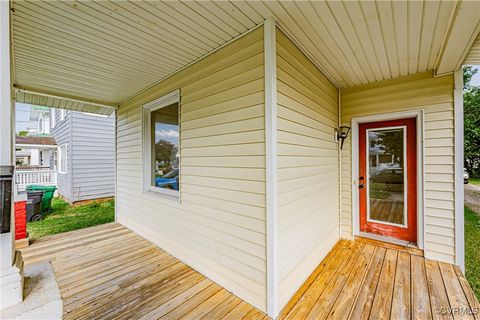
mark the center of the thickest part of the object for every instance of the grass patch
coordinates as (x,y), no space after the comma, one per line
(472,250)
(475,181)
(65,217)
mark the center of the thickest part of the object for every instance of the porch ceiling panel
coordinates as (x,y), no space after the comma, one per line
(108,51)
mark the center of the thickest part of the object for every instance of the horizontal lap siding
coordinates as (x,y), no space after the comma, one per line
(62,132)
(435,97)
(218,227)
(93,156)
(307,166)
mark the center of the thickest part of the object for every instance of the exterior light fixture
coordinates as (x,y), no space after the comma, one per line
(342,134)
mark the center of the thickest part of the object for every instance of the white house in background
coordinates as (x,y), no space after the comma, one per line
(41,115)
(35,161)
(27,153)
(86,154)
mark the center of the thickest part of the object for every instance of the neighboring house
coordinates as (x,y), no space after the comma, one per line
(35,151)
(35,161)
(250,112)
(29,154)
(40,115)
(85,154)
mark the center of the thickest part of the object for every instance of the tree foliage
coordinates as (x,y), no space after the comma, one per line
(392,144)
(468,73)
(471,104)
(165,152)
(23,133)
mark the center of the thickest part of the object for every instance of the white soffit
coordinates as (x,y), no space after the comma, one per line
(108,51)
(460,37)
(47,100)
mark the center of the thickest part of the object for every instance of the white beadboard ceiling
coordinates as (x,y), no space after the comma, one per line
(106,51)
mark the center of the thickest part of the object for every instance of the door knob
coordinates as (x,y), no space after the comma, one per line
(361,186)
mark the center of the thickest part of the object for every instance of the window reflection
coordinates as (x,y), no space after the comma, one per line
(386,175)
(165,147)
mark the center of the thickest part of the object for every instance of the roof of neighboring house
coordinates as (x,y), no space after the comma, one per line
(35,140)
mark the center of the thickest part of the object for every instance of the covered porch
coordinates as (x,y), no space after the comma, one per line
(99,278)
(256,191)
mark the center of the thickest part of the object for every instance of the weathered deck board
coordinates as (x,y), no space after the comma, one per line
(109,272)
(388,282)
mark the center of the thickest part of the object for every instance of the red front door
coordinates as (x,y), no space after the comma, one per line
(387,179)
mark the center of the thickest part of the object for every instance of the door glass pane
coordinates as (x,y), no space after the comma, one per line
(386,174)
(165,147)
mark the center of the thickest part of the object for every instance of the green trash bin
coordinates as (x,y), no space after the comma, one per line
(48,192)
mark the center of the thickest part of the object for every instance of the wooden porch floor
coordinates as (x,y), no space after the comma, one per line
(366,279)
(109,272)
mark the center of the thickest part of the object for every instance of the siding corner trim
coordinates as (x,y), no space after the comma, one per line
(271,165)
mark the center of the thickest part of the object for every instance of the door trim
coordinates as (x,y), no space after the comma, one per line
(418,114)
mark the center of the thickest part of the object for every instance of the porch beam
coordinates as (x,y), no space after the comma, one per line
(459,38)
(62,101)
(65,97)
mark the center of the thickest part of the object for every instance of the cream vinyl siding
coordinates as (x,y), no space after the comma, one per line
(218,224)
(435,97)
(307,167)
(473,56)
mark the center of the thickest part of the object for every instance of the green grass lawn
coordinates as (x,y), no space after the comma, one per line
(472,250)
(474,181)
(65,217)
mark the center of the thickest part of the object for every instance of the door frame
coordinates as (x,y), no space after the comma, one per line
(419,115)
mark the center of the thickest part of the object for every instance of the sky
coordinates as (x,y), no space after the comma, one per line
(22,116)
(166,132)
(476,78)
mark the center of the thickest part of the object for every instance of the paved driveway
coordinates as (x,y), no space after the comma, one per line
(472,197)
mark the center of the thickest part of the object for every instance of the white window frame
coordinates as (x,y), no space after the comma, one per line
(40,124)
(60,156)
(147,109)
(63,114)
(52,118)
(95,114)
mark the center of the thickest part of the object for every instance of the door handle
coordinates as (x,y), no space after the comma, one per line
(361,186)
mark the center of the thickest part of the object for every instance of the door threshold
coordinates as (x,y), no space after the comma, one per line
(389,243)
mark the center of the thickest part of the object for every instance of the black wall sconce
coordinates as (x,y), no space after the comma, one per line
(342,134)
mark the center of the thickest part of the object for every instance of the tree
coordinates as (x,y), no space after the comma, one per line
(468,73)
(165,152)
(392,143)
(23,133)
(471,105)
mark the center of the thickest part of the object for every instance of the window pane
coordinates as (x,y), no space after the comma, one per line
(165,147)
(386,175)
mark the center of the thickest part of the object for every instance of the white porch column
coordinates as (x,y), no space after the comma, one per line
(459,202)
(11,265)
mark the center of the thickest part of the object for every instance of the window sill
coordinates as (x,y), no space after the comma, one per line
(165,193)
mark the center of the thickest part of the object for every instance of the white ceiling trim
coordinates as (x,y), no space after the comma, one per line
(463,30)
(62,102)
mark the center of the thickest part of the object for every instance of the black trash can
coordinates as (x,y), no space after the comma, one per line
(34,205)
